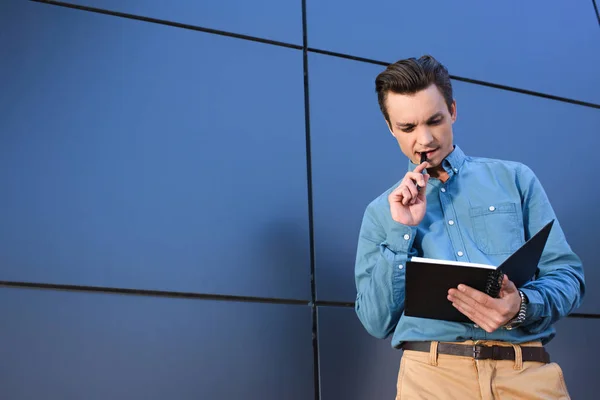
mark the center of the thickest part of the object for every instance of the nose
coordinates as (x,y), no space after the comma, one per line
(424,136)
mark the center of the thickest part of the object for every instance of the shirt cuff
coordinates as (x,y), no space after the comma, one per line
(401,237)
(535,305)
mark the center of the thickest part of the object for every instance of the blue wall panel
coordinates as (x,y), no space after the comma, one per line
(575,349)
(355,158)
(145,156)
(139,155)
(63,346)
(356,366)
(269,19)
(546,46)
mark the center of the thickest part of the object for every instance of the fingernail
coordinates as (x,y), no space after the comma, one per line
(461,288)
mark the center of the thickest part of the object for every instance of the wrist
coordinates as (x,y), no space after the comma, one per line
(521,315)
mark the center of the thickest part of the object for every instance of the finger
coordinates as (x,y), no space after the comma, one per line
(406,196)
(466,302)
(474,294)
(478,318)
(397,197)
(494,312)
(507,284)
(487,318)
(467,309)
(507,287)
(410,185)
(396,194)
(423,193)
(401,194)
(421,167)
(415,178)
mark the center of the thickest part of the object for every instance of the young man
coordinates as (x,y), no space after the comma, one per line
(467,209)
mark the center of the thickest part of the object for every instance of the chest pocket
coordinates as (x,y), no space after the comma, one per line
(497,228)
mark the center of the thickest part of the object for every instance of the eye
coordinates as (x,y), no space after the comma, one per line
(436,121)
(408,130)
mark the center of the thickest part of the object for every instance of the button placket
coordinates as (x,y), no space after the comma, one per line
(453,231)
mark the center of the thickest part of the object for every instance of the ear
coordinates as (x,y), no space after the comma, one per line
(389,127)
(454,113)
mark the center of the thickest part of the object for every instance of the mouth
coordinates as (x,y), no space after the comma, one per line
(426,155)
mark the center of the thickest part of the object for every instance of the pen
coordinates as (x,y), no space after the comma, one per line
(423,159)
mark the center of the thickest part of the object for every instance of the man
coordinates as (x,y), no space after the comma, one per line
(456,207)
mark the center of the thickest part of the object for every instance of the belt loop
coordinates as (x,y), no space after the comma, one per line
(433,353)
(518,357)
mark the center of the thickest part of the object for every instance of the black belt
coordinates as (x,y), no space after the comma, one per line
(481,352)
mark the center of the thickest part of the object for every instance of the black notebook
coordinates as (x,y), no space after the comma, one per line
(428,280)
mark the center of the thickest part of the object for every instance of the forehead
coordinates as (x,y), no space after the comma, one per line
(416,106)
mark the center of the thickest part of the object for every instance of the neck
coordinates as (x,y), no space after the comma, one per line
(438,173)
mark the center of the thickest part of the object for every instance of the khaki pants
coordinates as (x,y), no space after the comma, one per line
(439,376)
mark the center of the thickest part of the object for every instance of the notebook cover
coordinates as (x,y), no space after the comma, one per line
(427,284)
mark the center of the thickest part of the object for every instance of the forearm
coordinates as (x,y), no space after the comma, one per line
(553,297)
(379,273)
(559,287)
(380,295)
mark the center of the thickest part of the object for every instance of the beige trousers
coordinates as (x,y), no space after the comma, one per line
(439,376)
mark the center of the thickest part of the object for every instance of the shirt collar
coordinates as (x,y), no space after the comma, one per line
(451,164)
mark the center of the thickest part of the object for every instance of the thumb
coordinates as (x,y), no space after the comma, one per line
(507,286)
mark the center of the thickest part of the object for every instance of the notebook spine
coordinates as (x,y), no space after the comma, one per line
(494,283)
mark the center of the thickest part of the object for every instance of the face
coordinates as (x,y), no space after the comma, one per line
(421,123)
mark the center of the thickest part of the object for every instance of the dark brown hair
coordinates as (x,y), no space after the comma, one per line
(411,75)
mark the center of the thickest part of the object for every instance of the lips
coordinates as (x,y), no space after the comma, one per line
(426,153)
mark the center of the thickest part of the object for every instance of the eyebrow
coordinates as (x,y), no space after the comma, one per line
(411,124)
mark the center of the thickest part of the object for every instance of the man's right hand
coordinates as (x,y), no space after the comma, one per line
(407,204)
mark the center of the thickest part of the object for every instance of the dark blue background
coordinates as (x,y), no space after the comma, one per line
(138,155)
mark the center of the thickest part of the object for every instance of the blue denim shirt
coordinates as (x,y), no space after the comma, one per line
(484,211)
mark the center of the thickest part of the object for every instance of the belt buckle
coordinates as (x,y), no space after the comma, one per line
(477,351)
(477,348)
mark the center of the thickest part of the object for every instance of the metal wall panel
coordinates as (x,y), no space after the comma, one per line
(546,46)
(67,345)
(144,156)
(354,365)
(269,19)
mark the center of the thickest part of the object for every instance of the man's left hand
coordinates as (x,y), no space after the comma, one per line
(487,312)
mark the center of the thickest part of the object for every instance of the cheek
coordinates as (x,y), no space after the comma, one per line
(406,142)
(442,132)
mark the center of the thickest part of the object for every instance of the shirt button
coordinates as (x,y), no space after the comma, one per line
(475,326)
(492,208)
(460,253)
(455,169)
(450,222)
(406,237)
(443,190)
(400,266)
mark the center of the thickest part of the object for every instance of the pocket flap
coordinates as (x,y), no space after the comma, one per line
(493,208)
